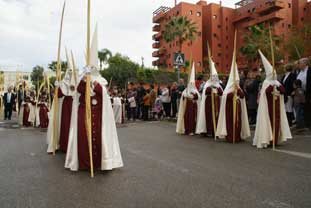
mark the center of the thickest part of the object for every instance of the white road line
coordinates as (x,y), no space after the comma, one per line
(298,154)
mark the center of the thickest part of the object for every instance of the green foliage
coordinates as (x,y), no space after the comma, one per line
(181,29)
(121,70)
(258,37)
(37,75)
(103,56)
(53,66)
(298,44)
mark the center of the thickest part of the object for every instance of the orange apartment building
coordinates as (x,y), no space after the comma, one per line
(216,25)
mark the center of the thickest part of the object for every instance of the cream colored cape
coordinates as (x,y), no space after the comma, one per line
(111,154)
(180,127)
(263,133)
(222,127)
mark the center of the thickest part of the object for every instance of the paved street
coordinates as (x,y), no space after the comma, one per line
(161,169)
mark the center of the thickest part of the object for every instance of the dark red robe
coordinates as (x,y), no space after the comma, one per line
(209,109)
(65,120)
(26,113)
(190,117)
(96,109)
(229,117)
(43,114)
(269,95)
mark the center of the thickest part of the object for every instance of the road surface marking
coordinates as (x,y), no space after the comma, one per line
(299,154)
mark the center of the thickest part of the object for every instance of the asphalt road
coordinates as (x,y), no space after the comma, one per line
(161,169)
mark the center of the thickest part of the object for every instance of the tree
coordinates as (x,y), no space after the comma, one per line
(37,75)
(121,70)
(298,42)
(53,66)
(256,38)
(103,56)
(181,29)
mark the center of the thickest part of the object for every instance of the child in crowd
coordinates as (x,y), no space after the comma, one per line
(158,108)
(299,101)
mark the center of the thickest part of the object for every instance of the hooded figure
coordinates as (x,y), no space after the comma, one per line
(66,91)
(23,118)
(188,107)
(105,145)
(42,117)
(264,126)
(225,121)
(206,118)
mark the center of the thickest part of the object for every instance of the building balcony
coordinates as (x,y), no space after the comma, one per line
(158,53)
(271,6)
(157,36)
(159,14)
(156,28)
(156,45)
(240,17)
(158,62)
(276,16)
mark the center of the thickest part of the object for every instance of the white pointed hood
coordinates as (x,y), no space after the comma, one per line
(93,67)
(268,69)
(231,81)
(191,83)
(213,79)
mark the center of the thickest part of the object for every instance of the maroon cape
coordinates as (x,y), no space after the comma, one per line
(26,112)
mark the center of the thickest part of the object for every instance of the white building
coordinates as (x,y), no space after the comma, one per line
(9,78)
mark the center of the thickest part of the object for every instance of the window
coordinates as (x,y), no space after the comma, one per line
(219,26)
(177,13)
(198,14)
(227,19)
(289,5)
(215,35)
(214,16)
(219,54)
(190,12)
(302,19)
(199,33)
(305,9)
(254,9)
(219,45)
(283,25)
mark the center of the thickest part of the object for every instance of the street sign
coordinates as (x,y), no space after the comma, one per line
(179,59)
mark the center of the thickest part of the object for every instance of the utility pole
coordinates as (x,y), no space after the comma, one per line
(175,2)
(142,62)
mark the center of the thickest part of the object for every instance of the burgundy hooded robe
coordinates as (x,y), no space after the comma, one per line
(65,120)
(96,110)
(229,117)
(190,117)
(209,109)
(43,114)
(269,95)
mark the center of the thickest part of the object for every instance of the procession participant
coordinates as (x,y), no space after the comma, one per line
(42,114)
(225,127)
(208,114)
(188,107)
(116,106)
(271,89)
(25,111)
(32,108)
(66,91)
(105,145)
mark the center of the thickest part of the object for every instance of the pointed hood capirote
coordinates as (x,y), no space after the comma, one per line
(232,81)
(269,70)
(191,88)
(93,68)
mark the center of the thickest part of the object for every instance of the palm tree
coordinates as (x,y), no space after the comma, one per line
(104,55)
(181,29)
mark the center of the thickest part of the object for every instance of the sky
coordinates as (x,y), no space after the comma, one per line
(29,29)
